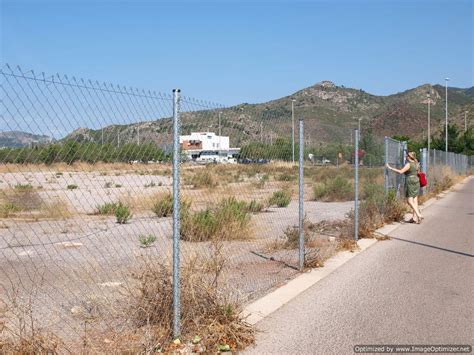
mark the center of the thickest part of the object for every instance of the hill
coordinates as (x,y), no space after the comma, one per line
(16,139)
(330,113)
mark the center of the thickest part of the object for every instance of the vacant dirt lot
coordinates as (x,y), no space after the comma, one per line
(71,264)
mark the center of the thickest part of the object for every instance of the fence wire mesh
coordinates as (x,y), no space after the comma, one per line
(86,199)
(395,156)
(442,164)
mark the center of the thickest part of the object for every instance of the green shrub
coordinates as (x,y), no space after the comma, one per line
(122,213)
(280,198)
(334,189)
(254,206)
(286,177)
(108,208)
(23,187)
(227,221)
(202,179)
(151,184)
(320,191)
(146,240)
(8,209)
(72,187)
(164,206)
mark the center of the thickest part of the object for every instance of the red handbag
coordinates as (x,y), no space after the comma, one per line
(422,178)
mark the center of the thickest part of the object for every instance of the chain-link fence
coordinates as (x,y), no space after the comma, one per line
(395,152)
(88,176)
(86,199)
(441,165)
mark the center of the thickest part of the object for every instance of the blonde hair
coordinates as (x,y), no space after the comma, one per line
(412,155)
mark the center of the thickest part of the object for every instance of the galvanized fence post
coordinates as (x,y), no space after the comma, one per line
(300,194)
(356,185)
(385,166)
(424,165)
(176,215)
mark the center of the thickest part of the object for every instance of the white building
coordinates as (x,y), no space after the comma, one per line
(207,147)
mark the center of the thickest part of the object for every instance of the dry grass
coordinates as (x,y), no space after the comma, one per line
(28,204)
(319,245)
(110,168)
(207,314)
(19,332)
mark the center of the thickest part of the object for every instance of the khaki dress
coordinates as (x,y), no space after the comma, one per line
(412,186)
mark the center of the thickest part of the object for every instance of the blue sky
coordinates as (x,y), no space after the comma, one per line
(244,51)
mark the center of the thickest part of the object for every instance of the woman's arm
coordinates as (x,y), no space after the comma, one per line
(400,171)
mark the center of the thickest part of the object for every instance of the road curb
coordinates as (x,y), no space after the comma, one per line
(261,308)
(266,305)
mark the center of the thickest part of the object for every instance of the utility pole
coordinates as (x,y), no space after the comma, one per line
(220,114)
(293,129)
(446,136)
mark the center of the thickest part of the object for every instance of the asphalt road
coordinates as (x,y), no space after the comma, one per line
(416,288)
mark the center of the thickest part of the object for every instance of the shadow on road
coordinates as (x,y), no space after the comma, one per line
(434,247)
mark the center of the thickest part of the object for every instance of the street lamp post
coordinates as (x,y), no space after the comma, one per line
(465,121)
(429,121)
(446,135)
(293,129)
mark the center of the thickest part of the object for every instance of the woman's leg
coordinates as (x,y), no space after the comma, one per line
(415,200)
(411,202)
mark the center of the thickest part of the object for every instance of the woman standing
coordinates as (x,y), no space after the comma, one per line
(412,186)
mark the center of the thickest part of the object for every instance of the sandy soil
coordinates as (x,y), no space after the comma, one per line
(69,264)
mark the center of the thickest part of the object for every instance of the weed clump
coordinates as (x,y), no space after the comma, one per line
(376,210)
(146,240)
(255,207)
(228,220)
(280,198)
(107,208)
(23,187)
(122,213)
(336,189)
(207,317)
(202,179)
(8,209)
(72,187)
(164,206)
(286,176)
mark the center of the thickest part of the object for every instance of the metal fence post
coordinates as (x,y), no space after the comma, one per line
(424,164)
(356,185)
(176,215)
(385,166)
(300,194)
